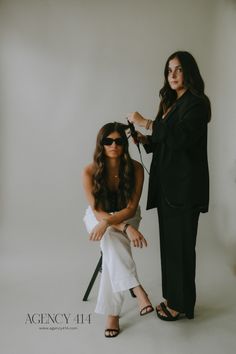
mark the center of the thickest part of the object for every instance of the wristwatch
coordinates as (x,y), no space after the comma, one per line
(125,228)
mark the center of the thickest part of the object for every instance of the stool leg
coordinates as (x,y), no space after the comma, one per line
(132,293)
(98,268)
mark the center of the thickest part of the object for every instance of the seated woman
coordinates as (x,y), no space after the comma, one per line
(113,184)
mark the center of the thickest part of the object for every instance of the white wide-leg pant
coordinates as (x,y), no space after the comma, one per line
(118,267)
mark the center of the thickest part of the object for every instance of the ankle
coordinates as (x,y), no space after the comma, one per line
(112,321)
(113,316)
(136,290)
(139,291)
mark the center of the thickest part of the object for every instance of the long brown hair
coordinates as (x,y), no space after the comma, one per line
(126,169)
(192,81)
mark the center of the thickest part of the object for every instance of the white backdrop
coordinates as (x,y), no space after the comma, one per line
(67,68)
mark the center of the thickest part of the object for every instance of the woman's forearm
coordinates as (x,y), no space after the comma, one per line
(149,124)
(141,121)
(115,218)
(146,123)
(119,227)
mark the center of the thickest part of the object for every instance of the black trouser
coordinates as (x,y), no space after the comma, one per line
(178,231)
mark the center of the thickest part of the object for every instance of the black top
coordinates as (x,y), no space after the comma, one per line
(179,168)
(112,202)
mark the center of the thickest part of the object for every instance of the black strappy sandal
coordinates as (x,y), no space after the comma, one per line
(161,305)
(169,316)
(116,332)
(146,310)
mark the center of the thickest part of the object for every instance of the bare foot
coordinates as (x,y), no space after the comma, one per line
(112,326)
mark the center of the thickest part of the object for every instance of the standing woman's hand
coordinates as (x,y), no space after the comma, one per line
(142,138)
(136,238)
(98,231)
(137,118)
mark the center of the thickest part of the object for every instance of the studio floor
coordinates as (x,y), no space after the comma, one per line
(34,288)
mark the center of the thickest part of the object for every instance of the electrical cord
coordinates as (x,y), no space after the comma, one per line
(140,154)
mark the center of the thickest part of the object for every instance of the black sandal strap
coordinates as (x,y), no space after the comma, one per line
(167,312)
(163,306)
(146,310)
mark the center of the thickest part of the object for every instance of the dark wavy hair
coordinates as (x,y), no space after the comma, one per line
(126,169)
(192,81)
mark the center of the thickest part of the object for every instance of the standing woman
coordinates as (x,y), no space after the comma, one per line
(179,178)
(113,185)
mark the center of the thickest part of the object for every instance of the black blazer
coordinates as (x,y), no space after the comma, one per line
(179,168)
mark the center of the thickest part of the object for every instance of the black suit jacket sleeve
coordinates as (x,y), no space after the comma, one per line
(149,147)
(185,133)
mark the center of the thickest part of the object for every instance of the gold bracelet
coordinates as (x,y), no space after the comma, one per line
(125,228)
(148,124)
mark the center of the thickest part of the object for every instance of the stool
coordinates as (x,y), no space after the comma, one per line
(94,276)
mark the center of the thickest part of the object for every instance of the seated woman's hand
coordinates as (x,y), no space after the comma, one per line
(135,237)
(98,231)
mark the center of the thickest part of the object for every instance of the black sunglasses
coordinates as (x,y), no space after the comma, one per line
(109,141)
